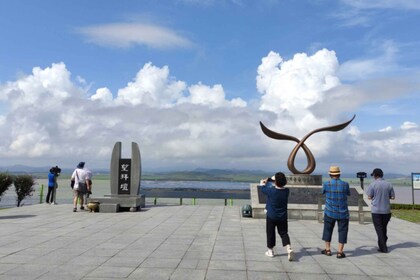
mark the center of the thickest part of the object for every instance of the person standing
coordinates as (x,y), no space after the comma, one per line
(51,186)
(79,177)
(276,206)
(336,211)
(380,192)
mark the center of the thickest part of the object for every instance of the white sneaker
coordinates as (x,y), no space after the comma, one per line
(270,253)
(53,203)
(290,255)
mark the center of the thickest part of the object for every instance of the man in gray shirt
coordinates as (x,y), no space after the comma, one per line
(380,192)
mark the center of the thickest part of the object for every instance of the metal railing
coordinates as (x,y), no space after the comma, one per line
(194,194)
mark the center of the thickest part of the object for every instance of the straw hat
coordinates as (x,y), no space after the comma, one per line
(334,170)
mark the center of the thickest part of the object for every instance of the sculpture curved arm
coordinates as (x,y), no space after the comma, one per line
(301,144)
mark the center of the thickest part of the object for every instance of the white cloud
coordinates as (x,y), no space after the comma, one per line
(171,122)
(408,125)
(102,94)
(364,69)
(152,86)
(125,35)
(384,4)
(386,129)
(211,96)
(294,86)
(51,120)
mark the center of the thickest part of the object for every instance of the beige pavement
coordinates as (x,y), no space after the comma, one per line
(188,242)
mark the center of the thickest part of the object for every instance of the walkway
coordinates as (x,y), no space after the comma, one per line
(188,242)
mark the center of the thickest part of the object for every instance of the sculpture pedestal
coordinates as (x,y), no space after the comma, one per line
(114,203)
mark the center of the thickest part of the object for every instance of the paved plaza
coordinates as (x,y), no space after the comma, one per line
(189,242)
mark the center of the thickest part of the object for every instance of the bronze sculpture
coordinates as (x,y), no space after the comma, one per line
(301,144)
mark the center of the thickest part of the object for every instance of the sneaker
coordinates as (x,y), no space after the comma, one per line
(74,209)
(291,255)
(53,203)
(270,253)
(82,208)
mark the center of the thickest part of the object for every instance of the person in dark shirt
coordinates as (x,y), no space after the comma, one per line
(276,206)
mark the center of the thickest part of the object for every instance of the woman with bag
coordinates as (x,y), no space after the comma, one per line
(79,177)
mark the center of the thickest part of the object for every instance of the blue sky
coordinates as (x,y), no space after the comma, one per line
(190,80)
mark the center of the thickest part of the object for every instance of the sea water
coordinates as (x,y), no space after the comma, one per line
(102,187)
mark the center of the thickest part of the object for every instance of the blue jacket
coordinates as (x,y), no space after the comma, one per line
(277,200)
(51,180)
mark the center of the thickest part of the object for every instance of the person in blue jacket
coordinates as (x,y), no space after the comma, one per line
(51,185)
(277,198)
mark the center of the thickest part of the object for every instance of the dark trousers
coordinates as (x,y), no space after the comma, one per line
(343,229)
(380,221)
(50,194)
(282,229)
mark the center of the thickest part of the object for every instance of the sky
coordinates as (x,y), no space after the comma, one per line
(190,80)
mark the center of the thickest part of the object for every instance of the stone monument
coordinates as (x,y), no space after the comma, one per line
(305,201)
(125,179)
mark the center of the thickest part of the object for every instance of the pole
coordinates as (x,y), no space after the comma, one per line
(41,193)
(412,187)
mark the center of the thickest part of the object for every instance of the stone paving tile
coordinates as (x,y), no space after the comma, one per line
(4,267)
(266,275)
(308,276)
(151,273)
(194,264)
(227,265)
(199,254)
(188,274)
(225,274)
(111,272)
(264,266)
(160,263)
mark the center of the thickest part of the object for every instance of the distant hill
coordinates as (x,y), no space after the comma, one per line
(198,174)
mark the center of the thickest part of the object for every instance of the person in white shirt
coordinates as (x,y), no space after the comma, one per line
(79,177)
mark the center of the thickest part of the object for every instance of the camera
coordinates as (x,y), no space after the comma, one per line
(56,170)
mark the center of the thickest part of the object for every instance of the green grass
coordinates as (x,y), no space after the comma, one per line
(406,212)
(411,215)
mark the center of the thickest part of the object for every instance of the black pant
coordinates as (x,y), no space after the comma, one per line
(282,229)
(50,193)
(380,221)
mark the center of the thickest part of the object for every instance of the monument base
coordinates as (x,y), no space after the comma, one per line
(116,203)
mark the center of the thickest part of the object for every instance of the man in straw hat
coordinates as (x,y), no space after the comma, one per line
(336,210)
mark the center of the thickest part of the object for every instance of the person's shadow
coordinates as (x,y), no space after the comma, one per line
(17,216)
(368,250)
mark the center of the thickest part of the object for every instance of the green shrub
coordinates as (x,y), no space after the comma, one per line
(5,182)
(405,206)
(24,187)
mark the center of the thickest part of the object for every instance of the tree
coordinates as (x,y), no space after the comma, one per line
(23,186)
(5,182)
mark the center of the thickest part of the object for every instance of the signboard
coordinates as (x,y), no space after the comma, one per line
(124,176)
(415,177)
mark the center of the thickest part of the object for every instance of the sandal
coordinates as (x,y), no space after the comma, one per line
(326,252)
(341,255)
